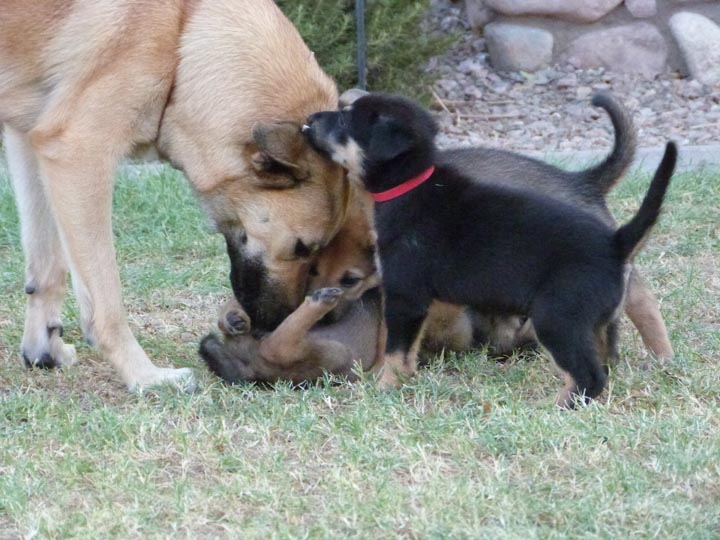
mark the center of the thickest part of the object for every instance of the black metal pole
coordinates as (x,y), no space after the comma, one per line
(361,42)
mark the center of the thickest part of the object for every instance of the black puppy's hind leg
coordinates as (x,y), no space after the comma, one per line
(609,336)
(572,344)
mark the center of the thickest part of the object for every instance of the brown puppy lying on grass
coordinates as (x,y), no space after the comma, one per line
(345,292)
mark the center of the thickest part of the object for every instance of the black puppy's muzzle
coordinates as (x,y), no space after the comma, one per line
(320,129)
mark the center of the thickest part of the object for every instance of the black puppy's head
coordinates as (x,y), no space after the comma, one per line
(377,135)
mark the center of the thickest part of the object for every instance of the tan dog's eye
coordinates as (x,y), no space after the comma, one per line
(303,250)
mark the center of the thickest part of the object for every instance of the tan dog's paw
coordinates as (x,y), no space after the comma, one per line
(182,378)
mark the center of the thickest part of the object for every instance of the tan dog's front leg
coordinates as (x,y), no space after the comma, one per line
(287,344)
(78,182)
(45,266)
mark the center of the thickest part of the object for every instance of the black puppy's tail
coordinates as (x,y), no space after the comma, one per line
(222,362)
(629,237)
(605,175)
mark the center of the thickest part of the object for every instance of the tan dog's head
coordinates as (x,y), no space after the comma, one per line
(348,262)
(276,218)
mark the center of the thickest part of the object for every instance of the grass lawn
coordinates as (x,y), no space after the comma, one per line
(472,449)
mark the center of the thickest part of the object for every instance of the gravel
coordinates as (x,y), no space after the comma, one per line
(549,110)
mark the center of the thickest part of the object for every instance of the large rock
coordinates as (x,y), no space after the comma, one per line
(699,41)
(641,8)
(632,48)
(571,10)
(514,47)
(478,14)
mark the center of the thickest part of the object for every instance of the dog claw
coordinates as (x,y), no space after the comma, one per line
(46,361)
(67,358)
(56,327)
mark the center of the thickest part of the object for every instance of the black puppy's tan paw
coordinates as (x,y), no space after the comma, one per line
(328,295)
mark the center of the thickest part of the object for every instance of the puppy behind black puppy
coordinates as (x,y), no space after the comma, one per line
(442,236)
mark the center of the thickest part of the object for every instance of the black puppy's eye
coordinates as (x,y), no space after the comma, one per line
(349,281)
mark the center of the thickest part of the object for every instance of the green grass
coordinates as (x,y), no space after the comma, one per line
(471,449)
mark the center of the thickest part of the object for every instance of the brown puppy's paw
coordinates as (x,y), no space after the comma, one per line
(234,323)
(328,295)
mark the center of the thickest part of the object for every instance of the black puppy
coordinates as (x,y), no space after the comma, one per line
(498,249)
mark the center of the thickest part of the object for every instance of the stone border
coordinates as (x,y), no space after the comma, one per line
(631,36)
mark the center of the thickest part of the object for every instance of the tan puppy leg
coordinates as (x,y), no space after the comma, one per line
(45,266)
(287,343)
(232,319)
(644,311)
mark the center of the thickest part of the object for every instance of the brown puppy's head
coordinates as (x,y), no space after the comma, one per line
(348,262)
(276,218)
(379,139)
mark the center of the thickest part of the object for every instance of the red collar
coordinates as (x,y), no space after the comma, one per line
(402,189)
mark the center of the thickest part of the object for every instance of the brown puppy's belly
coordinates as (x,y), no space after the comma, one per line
(296,355)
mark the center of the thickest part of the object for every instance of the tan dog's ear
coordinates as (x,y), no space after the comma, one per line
(276,153)
(348,97)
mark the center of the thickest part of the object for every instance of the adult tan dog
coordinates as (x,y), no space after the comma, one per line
(84,83)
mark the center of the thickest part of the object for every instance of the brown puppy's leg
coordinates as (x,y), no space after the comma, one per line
(644,311)
(232,319)
(287,344)
(45,265)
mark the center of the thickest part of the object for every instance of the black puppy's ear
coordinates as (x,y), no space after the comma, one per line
(388,139)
